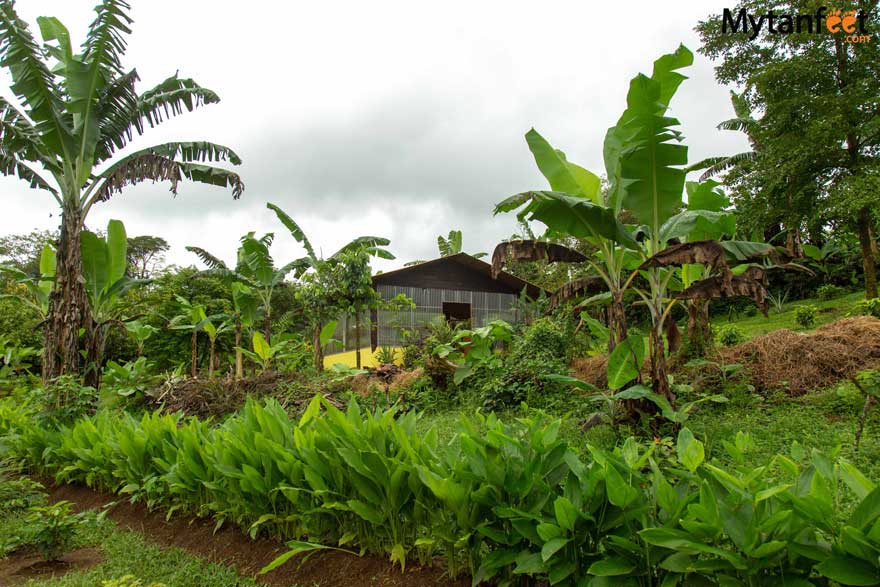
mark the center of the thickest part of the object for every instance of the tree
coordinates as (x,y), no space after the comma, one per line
(145,255)
(319,295)
(75,111)
(105,264)
(23,251)
(818,95)
(192,318)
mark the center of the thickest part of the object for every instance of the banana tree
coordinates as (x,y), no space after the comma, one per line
(319,294)
(256,271)
(106,284)
(192,319)
(140,332)
(72,113)
(214,331)
(36,289)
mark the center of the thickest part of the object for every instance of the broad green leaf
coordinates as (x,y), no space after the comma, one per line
(95,262)
(552,546)
(261,347)
(690,450)
(625,361)
(706,195)
(562,175)
(611,567)
(566,513)
(117,247)
(849,571)
(327,332)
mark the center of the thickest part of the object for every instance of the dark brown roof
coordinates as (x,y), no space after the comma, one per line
(460,271)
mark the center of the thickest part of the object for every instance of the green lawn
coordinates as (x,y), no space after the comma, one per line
(829,311)
(128,553)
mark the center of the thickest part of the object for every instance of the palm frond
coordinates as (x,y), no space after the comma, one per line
(32,81)
(126,113)
(18,135)
(156,164)
(207,258)
(294,229)
(12,166)
(105,42)
(372,245)
(743,125)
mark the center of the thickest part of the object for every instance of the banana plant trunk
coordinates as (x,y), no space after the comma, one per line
(319,352)
(357,338)
(659,374)
(211,359)
(68,306)
(267,326)
(616,320)
(698,330)
(868,262)
(193,370)
(96,340)
(239,357)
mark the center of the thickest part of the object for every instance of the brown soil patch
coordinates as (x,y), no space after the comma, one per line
(394,380)
(798,362)
(592,370)
(19,567)
(230,546)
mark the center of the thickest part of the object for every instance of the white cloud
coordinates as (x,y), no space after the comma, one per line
(394,118)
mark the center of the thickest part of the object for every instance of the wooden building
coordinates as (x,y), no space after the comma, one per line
(457,288)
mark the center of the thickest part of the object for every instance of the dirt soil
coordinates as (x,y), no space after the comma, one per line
(230,546)
(19,567)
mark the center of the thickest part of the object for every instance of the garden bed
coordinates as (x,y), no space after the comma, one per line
(230,546)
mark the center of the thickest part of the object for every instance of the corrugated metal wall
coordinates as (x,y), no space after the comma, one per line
(485,307)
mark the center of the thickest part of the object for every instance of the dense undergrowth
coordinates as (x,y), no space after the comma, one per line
(509,501)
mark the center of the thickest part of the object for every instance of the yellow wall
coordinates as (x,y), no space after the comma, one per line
(349,359)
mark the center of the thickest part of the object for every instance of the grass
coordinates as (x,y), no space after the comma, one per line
(828,311)
(128,553)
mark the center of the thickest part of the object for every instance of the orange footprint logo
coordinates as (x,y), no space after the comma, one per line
(849,21)
(833,20)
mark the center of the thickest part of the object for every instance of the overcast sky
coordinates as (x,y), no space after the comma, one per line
(402,119)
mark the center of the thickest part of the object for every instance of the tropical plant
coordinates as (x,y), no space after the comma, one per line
(829,292)
(15,360)
(730,335)
(192,319)
(214,331)
(36,289)
(51,529)
(140,332)
(805,316)
(75,111)
(451,245)
(386,355)
(106,284)
(320,294)
(867,308)
(778,300)
(129,379)
(867,382)
(265,354)
(474,349)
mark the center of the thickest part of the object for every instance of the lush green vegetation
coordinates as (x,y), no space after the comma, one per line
(607,438)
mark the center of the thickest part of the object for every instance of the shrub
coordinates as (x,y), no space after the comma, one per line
(52,529)
(66,399)
(19,493)
(386,355)
(829,292)
(731,335)
(805,316)
(867,308)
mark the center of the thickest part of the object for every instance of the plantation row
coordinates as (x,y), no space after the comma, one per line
(501,500)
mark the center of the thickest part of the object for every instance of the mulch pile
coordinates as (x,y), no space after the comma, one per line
(800,362)
(230,546)
(207,398)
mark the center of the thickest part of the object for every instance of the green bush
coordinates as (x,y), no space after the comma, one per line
(386,355)
(805,316)
(867,308)
(505,501)
(829,292)
(51,529)
(730,335)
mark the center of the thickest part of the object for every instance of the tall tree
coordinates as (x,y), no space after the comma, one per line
(146,254)
(75,111)
(319,293)
(818,94)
